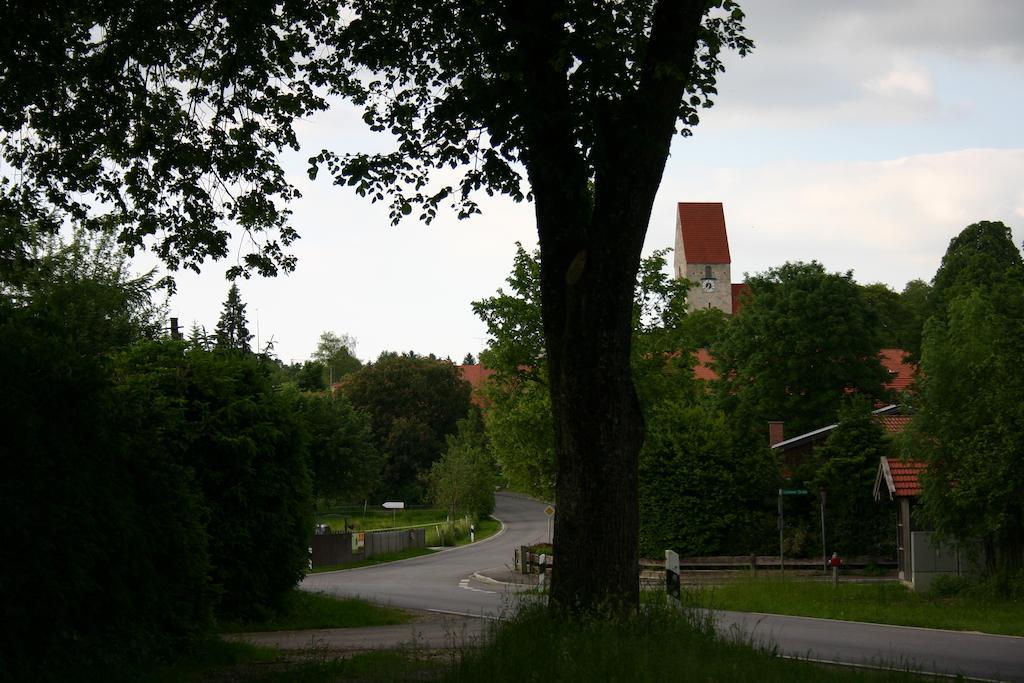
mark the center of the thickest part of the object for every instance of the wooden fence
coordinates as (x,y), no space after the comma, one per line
(527,562)
(327,549)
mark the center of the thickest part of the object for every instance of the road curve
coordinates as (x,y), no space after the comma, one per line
(443,581)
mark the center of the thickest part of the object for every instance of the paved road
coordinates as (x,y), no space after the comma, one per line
(444,582)
(974,655)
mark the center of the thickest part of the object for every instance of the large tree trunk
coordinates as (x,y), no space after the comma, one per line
(598,425)
(592,216)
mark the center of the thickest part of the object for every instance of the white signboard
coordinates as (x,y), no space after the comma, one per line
(394,505)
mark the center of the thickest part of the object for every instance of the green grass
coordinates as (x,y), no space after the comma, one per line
(656,645)
(225,661)
(386,665)
(376,559)
(485,528)
(887,603)
(336,518)
(208,656)
(315,610)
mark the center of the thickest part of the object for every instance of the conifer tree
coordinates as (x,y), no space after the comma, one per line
(232,328)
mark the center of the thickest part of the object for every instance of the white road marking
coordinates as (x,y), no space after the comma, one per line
(464,583)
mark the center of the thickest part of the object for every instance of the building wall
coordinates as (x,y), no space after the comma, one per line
(721,298)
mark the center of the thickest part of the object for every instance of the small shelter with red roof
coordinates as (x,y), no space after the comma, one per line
(897,480)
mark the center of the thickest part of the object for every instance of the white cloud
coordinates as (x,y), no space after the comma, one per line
(835,62)
(888,221)
(904,80)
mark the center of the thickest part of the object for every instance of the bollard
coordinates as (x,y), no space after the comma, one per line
(542,565)
(835,561)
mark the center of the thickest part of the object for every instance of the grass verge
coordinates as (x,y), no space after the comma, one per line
(337,518)
(208,656)
(219,660)
(888,603)
(304,610)
(655,645)
(485,528)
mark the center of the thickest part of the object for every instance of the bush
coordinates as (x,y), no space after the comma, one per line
(453,531)
(1001,586)
(700,492)
(220,414)
(105,545)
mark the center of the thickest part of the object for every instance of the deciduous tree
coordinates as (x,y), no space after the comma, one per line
(804,339)
(462,481)
(177,111)
(845,467)
(413,403)
(969,422)
(344,463)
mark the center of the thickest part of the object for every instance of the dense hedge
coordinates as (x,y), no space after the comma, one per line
(219,412)
(143,492)
(701,493)
(103,536)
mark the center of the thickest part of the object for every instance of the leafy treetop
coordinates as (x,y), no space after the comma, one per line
(804,339)
(159,120)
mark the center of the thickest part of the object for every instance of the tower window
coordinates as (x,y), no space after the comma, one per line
(707,272)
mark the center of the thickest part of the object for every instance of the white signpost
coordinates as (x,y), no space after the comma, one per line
(672,584)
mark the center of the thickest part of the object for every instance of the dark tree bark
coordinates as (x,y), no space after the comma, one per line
(590,243)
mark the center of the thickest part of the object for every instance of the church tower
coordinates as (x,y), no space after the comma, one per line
(702,255)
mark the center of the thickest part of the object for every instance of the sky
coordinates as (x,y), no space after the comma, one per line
(862,135)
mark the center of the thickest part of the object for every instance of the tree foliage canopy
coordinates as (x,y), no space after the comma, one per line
(162,121)
(462,481)
(344,462)
(413,403)
(846,467)
(969,424)
(448,82)
(800,343)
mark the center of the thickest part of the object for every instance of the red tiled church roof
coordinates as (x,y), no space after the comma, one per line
(704,236)
(476,375)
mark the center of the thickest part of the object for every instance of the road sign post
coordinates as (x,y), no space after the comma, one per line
(782,526)
(394,506)
(672,582)
(550,512)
